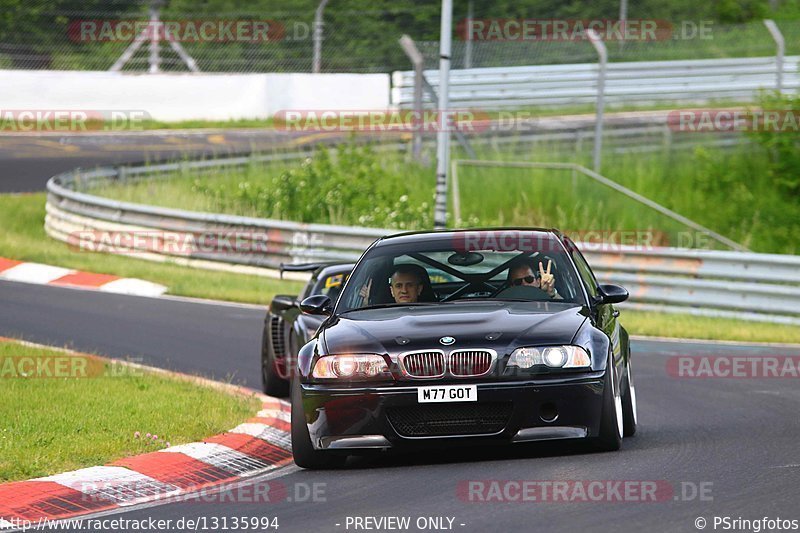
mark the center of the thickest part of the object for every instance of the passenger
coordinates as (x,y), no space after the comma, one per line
(522,274)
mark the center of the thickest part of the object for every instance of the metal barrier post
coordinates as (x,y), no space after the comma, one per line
(781,50)
(155,59)
(468,39)
(600,47)
(443,136)
(317,60)
(418,61)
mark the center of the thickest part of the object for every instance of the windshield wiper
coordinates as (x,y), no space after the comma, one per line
(383,306)
(489,300)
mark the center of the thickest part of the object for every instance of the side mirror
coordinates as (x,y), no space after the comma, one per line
(319,304)
(282,302)
(612,294)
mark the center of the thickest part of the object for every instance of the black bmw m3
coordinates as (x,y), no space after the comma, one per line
(474,336)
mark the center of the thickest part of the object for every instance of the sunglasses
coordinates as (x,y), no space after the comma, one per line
(527,279)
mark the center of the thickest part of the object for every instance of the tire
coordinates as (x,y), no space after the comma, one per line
(272,383)
(630,411)
(610,437)
(305,456)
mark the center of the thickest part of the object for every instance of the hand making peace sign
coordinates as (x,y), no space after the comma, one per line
(548,281)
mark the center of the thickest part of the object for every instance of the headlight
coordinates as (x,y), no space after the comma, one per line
(555,356)
(551,357)
(350,366)
(525,357)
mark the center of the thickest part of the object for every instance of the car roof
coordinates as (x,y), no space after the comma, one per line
(439,235)
(333,269)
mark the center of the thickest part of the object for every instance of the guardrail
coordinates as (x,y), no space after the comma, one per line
(90,222)
(635,82)
(763,287)
(749,286)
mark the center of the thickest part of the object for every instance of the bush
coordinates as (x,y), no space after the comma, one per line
(352,186)
(782,147)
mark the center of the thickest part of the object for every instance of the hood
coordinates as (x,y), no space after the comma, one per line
(501,326)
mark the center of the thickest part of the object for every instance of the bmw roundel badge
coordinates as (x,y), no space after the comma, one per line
(447,341)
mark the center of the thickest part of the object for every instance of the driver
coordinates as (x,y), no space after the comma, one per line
(405,285)
(522,274)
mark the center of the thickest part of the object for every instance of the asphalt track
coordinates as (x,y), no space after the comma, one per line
(27,161)
(736,438)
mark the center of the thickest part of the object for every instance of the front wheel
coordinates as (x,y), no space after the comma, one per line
(630,415)
(305,455)
(610,438)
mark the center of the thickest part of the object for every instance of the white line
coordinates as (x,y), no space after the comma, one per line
(286,416)
(35,273)
(181,299)
(711,341)
(220,456)
(136,287)
(114,484)
(266,433)
(208,301)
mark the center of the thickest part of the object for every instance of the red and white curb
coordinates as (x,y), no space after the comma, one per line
(259,445)
(51,275)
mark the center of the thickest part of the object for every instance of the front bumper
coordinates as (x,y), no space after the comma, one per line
(540,409)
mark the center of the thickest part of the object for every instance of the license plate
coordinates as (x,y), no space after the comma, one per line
(448,393)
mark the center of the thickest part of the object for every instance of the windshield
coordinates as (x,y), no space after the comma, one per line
(330,286)
(429,272)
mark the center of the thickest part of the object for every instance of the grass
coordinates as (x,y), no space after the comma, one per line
(730,192)
(242,123)
(52,425)
(709,328)
(23,238)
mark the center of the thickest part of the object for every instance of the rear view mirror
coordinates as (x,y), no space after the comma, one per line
(282,302)
(319,304)
(612,294)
